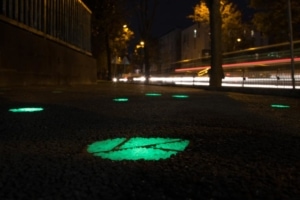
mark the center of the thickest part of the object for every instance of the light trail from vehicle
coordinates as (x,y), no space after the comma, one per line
(243,64)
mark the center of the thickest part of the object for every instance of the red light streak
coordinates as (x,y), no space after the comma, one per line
(243,64)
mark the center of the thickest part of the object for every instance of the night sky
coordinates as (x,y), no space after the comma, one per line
(173,14)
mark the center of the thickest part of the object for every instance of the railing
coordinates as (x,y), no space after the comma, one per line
(66,21)
(261,67)
(267,66)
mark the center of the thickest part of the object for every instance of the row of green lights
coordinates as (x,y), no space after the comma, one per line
(124,99)
(179,96)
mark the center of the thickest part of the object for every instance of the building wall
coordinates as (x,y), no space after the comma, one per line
(195,43)
(195,39)
(30,59)
(170,50)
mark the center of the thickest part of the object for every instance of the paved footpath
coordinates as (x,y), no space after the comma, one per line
(239,146)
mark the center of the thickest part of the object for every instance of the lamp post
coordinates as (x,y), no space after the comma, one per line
(291,44)
(142,45)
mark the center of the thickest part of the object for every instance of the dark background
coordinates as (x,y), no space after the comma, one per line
(173,14)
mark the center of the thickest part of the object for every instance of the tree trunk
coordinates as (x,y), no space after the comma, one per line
(147,64)
(108,57)
(216,71)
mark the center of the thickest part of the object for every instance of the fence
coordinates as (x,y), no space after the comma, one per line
(66,21)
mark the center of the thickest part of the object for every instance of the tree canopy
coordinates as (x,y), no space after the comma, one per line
(271,18)
(109,35)
(232,27)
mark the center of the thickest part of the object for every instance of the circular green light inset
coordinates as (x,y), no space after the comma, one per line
(120,99)
(153,94)
(26,109)
(137,148)
(279,106)
(180,96)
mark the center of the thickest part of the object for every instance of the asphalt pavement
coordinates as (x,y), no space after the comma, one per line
(238,146)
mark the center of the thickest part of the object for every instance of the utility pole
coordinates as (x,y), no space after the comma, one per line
(291,44)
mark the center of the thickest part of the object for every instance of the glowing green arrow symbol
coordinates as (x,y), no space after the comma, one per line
(137,148)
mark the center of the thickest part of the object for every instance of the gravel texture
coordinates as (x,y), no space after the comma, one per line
(240,147)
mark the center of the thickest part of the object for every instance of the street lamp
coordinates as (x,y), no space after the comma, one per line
(142,43)
(125,28)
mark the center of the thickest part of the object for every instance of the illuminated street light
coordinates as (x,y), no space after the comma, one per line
(125,27)
(142,43)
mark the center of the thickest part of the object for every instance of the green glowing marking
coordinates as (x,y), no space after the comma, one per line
(106,145)
(120,99)
(279,106)
(138,141)
(28,109)
(137,148)
(180,96)
(153,94)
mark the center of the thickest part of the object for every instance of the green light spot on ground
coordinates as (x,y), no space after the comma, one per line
(153,94)
(279,106)
(141,142)
(26,109)
(120,99)
(106,145)
(178,146)
(137,148)
(138,153)
(180,96)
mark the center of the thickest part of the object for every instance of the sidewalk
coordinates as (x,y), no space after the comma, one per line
(240,147)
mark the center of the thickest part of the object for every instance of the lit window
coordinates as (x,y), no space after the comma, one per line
(195,33)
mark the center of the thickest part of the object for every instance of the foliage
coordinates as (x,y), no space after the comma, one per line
(271,18)
(146,11)
(232,27)
(201,13)
(120,43)
(109,37)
